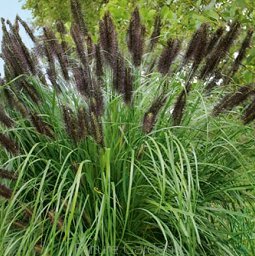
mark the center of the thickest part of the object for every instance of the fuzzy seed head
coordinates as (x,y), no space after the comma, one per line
(9,144)
(156,33)
(135,38)
(5,192)
(108,39)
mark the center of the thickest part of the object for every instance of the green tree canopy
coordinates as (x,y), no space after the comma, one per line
(178,14)
(179,18)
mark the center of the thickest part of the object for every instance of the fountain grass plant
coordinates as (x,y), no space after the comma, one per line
(106,157)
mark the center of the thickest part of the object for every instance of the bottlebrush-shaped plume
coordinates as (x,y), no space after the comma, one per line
(16,25)
(15,103)
(78,16)
(5,192)
(156,33)
(4,174)
(135,38)
(200,49)
(51,69)
(90,46)
(234,99)
(18,60)
(12,54)
(180,105)
(99,61)
(5,119)
(150,116)
(97,99)
(83,123)
(215,38)
(241,54)
(220,51)
(195,44)
(96,128)
(249,114)
(30,90)
(9,144)
(60,26)
(108,39)
(82,54)
(168,55)
(230,36)
(119,73)
(57,50)
(27,28)
(22,50)
(81,80)
(41,126)
(128,86)
(122,78)
(70,122)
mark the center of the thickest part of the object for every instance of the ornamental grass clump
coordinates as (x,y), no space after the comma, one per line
(108,152)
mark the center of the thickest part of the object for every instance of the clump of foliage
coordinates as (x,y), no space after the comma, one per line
(121,152)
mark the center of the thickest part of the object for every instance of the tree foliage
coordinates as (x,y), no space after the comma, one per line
(48,11)
(178,17)
(177,14)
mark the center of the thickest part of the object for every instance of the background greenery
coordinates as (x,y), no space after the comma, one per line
(190,13)
(179,18)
